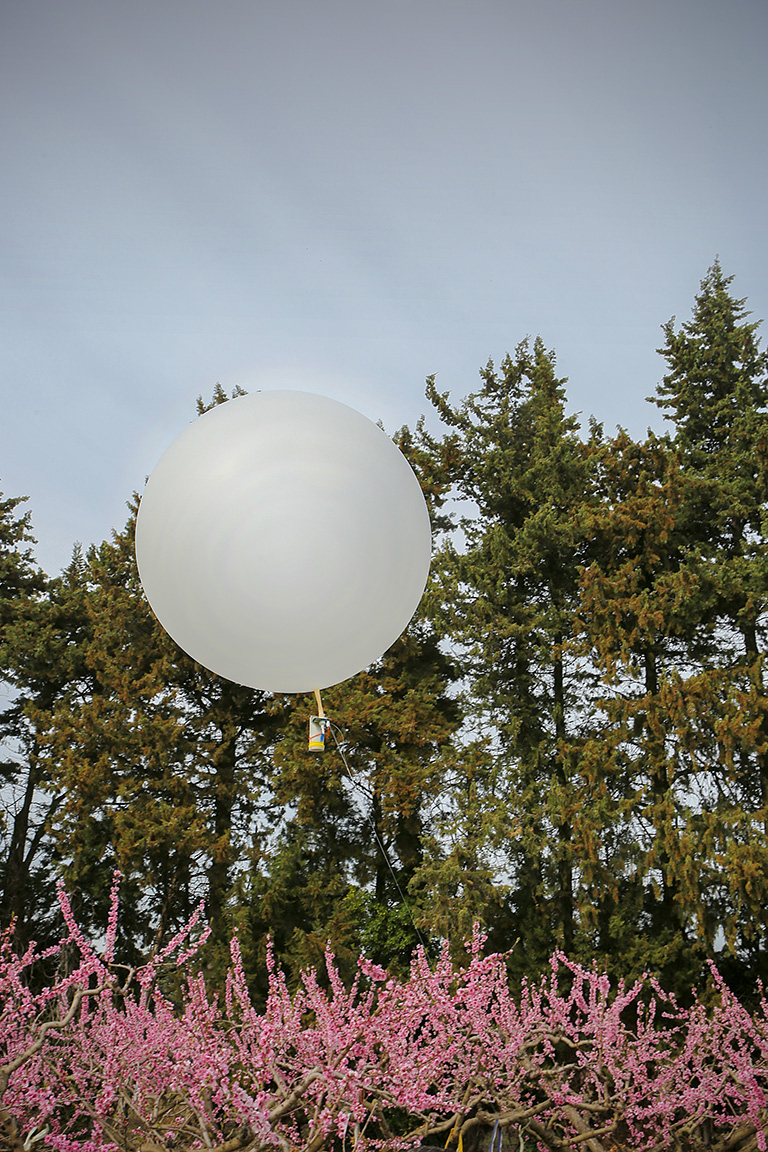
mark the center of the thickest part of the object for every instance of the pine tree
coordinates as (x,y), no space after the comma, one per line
(673,608)
(164,766)
(506,598)
(23,824)
(40,624)
(715,392)
(644,621)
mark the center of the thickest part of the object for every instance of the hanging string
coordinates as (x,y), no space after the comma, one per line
(335,730)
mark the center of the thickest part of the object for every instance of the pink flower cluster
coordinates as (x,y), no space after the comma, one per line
(102,1059)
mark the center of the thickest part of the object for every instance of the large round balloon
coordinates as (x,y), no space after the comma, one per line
(283,541)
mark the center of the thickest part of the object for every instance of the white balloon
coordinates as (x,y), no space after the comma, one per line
(283,541)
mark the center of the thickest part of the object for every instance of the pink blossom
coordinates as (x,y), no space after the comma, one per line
(92,1063)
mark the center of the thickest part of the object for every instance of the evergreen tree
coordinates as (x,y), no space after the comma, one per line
(673,607)
(597,620)
(715,392)
(644,621)
(506,598)
(41,623)
(162,764)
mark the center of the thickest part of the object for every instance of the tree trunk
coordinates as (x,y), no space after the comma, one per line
(565,831)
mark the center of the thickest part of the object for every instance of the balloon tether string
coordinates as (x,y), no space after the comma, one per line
(335,729)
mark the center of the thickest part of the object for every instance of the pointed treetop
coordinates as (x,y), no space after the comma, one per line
(717,370)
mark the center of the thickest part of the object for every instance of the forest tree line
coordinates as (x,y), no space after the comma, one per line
(568,745)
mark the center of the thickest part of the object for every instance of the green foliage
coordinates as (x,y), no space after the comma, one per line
(716,390)
(568,745)
(505,596)
(673,614)
(39,635)
(606,601)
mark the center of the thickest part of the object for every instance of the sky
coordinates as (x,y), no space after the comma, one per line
(346,196)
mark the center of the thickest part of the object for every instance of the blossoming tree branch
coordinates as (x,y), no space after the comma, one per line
(99,1056)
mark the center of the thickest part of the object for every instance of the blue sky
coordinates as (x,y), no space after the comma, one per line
(348,196)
